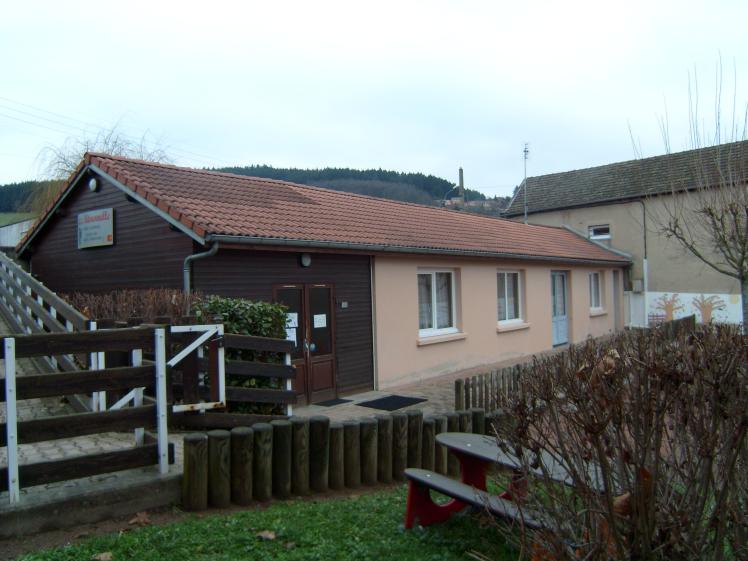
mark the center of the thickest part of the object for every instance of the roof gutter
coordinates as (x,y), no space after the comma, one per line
(187,267)
(289,242)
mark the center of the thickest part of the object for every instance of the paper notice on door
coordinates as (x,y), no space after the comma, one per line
(292,320)
(320,320)
(291,334)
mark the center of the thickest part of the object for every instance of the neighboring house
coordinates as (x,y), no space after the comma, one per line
(380,292)
(623,206)
(13,231)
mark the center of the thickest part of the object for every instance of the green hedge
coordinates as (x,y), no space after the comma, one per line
(244,317)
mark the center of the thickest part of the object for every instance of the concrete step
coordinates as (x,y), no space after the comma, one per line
(89,500)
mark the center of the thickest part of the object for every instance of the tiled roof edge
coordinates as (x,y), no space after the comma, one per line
(199,171)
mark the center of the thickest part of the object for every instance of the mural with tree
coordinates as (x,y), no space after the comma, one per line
(706,305)
(669,304)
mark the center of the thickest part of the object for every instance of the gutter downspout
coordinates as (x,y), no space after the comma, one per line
(374,362)
(187,267)
(645,263)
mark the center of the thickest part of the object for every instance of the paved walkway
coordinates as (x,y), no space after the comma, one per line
(438,393)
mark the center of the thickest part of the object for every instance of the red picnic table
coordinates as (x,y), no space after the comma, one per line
(477,454)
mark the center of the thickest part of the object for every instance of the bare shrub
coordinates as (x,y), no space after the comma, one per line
(123,305)
(652,432)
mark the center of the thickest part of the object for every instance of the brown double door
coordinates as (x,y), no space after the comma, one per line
(311,326)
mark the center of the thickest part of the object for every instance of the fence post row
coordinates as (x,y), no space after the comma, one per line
(294,457)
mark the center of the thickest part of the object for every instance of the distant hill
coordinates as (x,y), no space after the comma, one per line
(33,196)
(27,196)
(400,186)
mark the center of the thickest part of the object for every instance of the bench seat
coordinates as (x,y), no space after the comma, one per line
(422,508)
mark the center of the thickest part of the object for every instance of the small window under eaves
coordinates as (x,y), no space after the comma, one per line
(600,232)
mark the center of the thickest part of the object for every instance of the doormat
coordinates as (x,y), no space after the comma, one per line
(391,402)
(331,402)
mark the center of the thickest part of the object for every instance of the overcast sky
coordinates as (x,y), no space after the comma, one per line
(409,86)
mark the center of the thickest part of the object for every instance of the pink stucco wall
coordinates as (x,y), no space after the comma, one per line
(403,357)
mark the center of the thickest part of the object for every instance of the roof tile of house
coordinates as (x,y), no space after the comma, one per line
(215,203)
(633,179)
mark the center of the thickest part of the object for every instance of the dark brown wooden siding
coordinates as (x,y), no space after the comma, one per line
(252,274)
(146,253)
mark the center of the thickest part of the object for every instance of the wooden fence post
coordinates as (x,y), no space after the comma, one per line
(453,425)
(369,451)
(440,451)
(300,459)
(262,484)
(319,452)
(384,448)
(195,475)
(466,389)
(337,471)
(479,402)
(242,444)
(399,445)
(491,423)
(466,421)
(415,427)
(352,453)
(473,392)
(459,394)
(282,447)
(427,446)
(478,420)
(219,468)
(491,390)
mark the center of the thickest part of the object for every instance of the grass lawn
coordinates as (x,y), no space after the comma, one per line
(366,527)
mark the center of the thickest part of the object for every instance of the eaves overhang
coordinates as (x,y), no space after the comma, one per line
(116,184)
(413,250)
(600,202)
(51,211)
(146,203)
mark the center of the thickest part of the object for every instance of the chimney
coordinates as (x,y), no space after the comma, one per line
(461,188)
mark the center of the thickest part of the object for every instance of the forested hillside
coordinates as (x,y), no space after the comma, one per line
(410,187)
(28,196)
(15,196)
(34,196)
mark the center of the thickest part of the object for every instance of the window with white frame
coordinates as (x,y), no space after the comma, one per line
(596,291)
(436,303)
(599,232)
(509,296)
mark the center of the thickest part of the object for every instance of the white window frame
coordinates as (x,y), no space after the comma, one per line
(433,331)
(520,297)
(600,277)
(593,236)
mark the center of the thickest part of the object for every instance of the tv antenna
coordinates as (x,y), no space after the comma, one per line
(526,153)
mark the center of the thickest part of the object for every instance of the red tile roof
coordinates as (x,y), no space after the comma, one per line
(221,204)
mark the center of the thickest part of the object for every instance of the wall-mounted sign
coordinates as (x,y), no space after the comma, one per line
(96,228)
